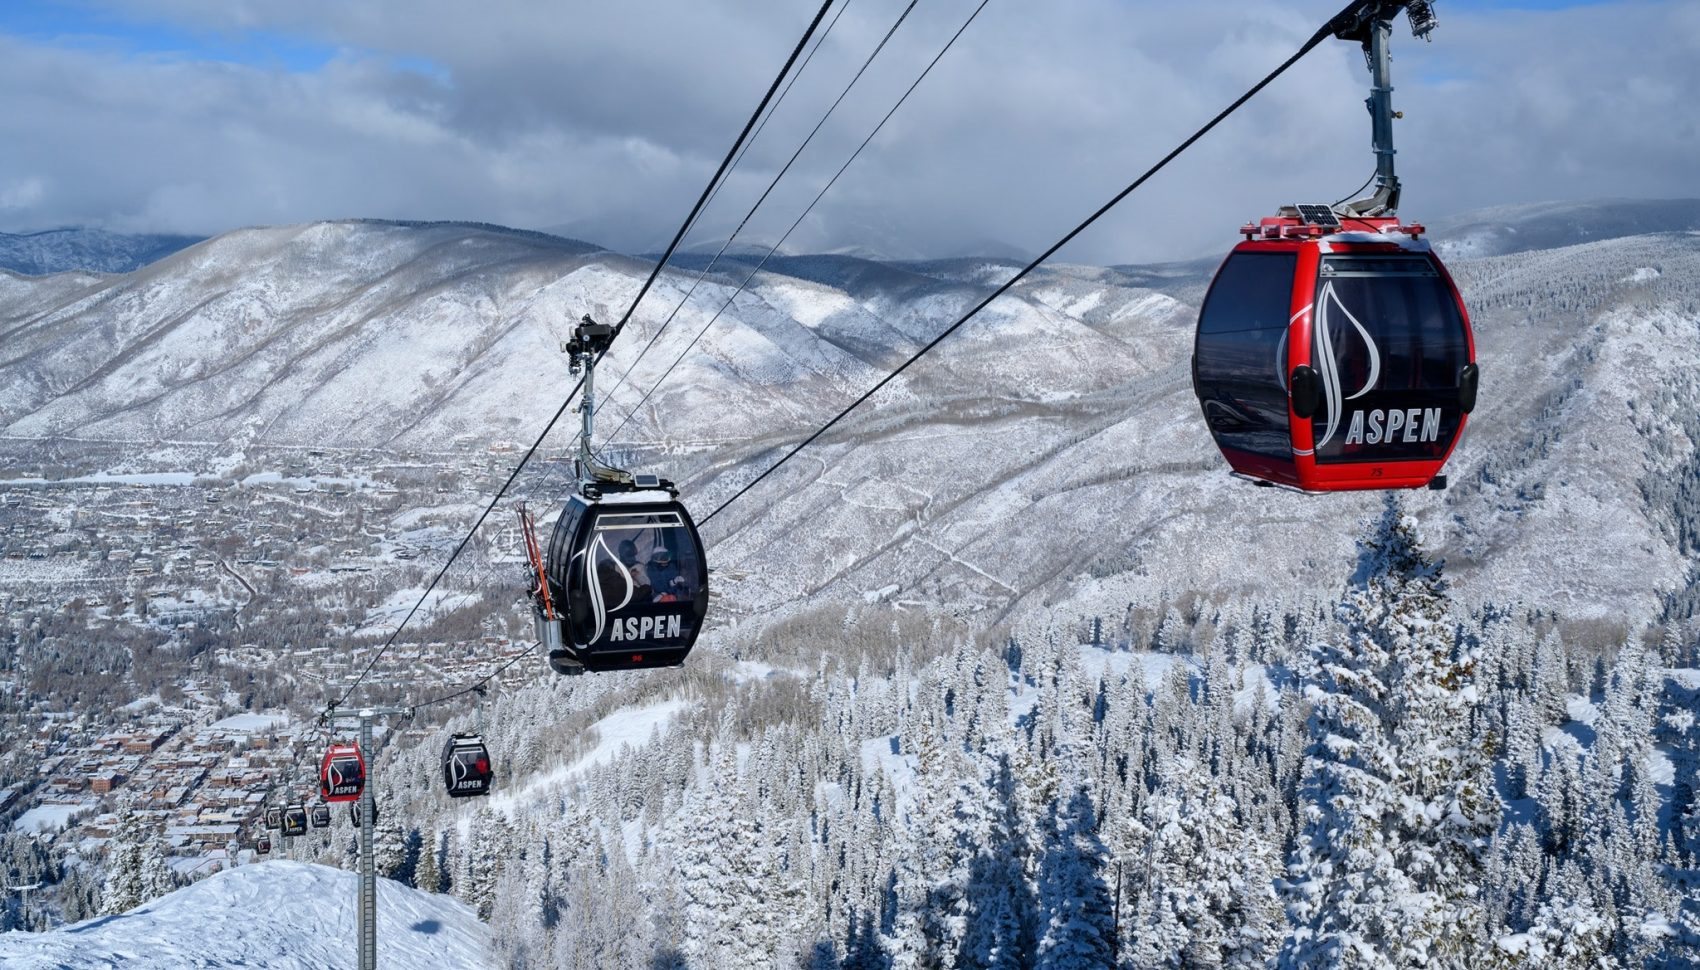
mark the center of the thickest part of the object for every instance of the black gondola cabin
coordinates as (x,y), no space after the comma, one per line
(342,775)
(1333,358)
(627,580)
(466,766)
(321,816)
(294,821)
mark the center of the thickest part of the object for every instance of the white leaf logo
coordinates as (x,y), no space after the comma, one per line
(598,605)
(1329,366)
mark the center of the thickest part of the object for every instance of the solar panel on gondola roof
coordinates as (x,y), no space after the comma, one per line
(1316,214)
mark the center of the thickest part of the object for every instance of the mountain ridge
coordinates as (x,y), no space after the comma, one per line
(1065,404)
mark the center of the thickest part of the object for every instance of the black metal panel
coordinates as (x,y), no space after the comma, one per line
(1239,359)
(1318,214)
(1388,339)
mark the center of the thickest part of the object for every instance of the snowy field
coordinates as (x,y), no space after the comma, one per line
(279,915)
(47,818)
(250,723)
(629,729)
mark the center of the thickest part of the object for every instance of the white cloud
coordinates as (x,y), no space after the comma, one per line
(611,116)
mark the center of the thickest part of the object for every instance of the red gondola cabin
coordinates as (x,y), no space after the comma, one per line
(1335,357)
(342,776)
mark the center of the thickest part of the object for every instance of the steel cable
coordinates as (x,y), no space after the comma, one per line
(660,264)
(1322,34)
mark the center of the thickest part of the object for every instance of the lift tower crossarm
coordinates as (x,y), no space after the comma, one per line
(1371,25)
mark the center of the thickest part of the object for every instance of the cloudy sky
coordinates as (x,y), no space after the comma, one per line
(605,119)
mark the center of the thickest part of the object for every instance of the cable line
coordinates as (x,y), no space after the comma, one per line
(725,163)
(799,221)
(758,203)
(1322,33)
(479,684)
(526,458)
(763,127)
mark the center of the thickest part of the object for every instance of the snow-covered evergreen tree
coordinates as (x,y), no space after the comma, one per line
(1074,902)
(1398,801)
(136,869)
(1207,897)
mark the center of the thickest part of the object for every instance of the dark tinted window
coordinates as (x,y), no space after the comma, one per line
(637,582)
(1388,342)
(1241,353)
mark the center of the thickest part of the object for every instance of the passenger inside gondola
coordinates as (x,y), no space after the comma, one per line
(665,577)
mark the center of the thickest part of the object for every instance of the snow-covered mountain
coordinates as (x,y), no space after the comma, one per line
(1502,230)
(281,915)
(860,765)
(88,250)
(1049,453)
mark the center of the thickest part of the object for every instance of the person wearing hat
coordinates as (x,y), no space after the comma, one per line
(665,577)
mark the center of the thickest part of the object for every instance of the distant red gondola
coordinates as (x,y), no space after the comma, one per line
(342,775)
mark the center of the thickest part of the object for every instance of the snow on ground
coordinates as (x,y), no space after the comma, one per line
(402,600)
(745,671)
(314,482)
(1256,675)
(625,728)
(104,478)
(47,817)
(1112,665)
(281,915)
(1688,677)
(250,723)
(1660,768)
(879,754)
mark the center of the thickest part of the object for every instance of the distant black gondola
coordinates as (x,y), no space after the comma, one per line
(274,818)
(294,821)
(466,766)
(263,846)
(320,816)
(354,814)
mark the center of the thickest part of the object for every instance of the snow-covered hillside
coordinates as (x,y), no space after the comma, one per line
(1048,454)
(85,250)
(1503,230)
(280,915)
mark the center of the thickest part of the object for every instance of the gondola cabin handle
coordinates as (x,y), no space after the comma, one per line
(1305,387)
